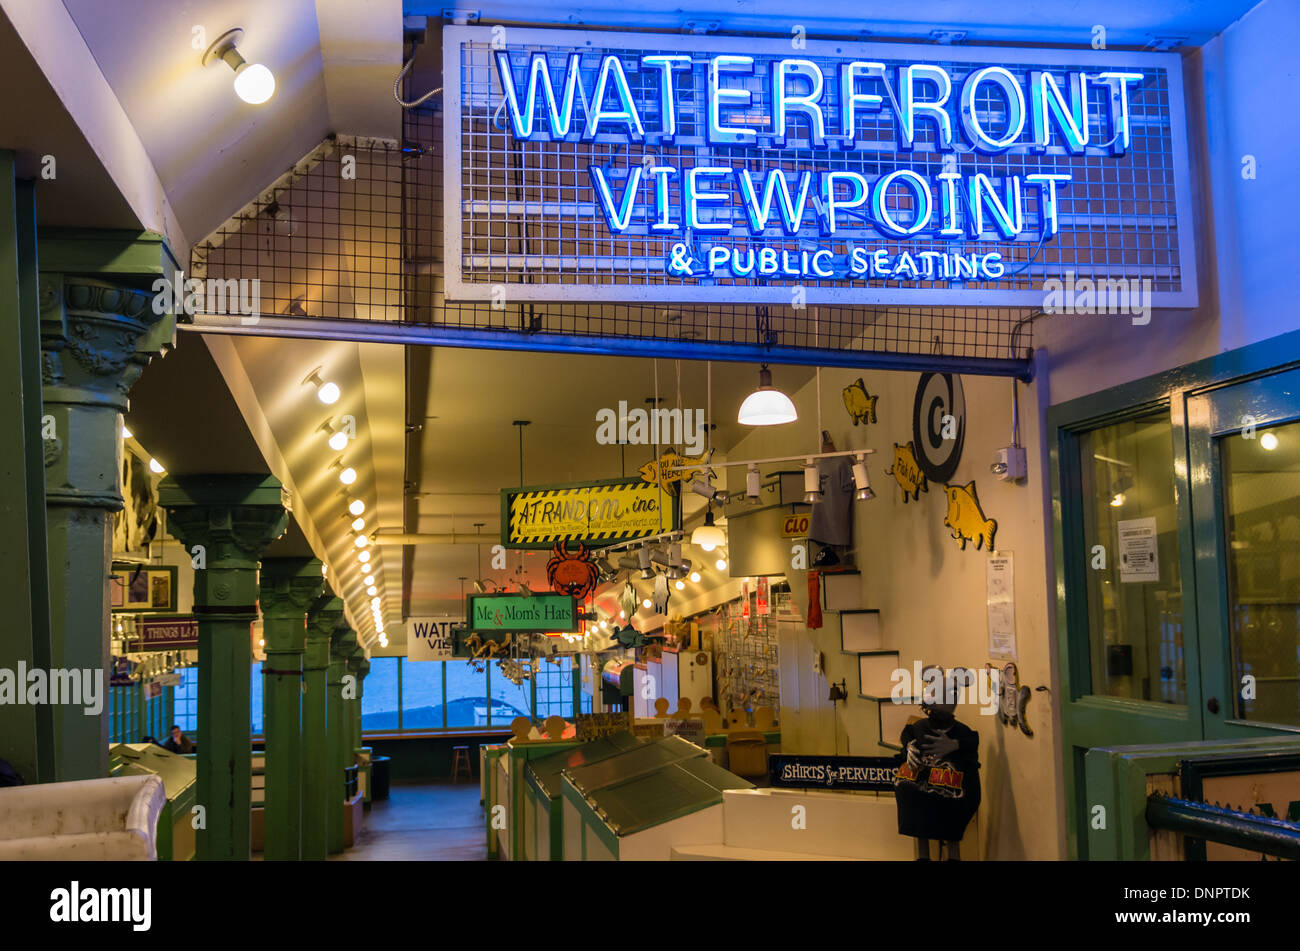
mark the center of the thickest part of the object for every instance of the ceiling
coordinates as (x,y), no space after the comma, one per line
(983,21)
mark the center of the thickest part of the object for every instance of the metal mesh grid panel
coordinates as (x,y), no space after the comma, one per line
(323,242)
(528,220)
(967,332)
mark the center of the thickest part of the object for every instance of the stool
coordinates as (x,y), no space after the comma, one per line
(459,758)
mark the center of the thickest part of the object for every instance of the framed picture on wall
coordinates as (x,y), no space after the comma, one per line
(143,588)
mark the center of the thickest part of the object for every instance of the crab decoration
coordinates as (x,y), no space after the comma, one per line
(572,573)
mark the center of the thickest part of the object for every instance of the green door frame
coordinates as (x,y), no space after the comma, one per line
(1089,720)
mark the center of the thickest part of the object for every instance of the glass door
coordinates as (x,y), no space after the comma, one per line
(1244,450)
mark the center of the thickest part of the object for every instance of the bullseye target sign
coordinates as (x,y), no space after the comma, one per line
(939,425)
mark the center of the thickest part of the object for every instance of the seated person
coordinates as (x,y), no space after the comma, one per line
(178,742)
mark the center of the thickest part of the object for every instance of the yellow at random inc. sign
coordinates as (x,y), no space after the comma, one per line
(593,513)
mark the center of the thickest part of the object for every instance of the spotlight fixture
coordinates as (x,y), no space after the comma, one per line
(812,483)
(708,536)
(368,580)
(327,392)
(753,485)
(358,524)
(254,83)
(361,541)
(643,562)
(356,506)
(372,590)
(364,556)
(1117,500)
(861,482)
(700,487)
(766,406)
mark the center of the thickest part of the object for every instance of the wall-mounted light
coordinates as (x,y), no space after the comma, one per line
(356,506)
(126,433)
(327,392)
(720,564)
(695,577)
(254,83)
(358,524)
(1268,441)
(338,440)
(156,466)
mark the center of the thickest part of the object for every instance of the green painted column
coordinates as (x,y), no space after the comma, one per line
(225,522)
(26,730)
(96,340)
(322,619)
(358,666)
(289,587)
(342,642)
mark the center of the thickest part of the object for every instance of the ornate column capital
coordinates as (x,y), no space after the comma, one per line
(229,520)
(289,587)
(322,619)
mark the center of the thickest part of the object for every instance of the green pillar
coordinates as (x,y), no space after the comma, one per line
(289,586)
(342,642)
(322,619)
(96,339)
(225,522)
(358,666)
(26,730)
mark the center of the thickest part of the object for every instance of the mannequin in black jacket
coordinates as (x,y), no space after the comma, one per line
(938,784)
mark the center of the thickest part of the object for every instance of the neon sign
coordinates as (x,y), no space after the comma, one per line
(911,171)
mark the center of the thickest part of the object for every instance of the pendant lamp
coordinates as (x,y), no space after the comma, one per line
(708,536)
(766,406)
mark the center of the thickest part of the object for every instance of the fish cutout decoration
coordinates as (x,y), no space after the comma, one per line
(860,404)
(907,472)
(671,467)
(966,518)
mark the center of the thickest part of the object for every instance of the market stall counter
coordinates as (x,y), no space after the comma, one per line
(543,810)
(639,804)
(175,835)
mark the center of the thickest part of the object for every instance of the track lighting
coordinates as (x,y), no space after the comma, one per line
(753,485)
(643,562)
(861,482)
(327,393)
(700,487)
(766,406)
(254,83)
(812,483)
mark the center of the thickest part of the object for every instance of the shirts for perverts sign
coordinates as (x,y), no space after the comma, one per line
(833,772)
(430,638)
(517,614)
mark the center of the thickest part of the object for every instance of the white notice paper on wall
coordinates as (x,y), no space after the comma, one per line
(430,638)
(1002,607)
(1138,557)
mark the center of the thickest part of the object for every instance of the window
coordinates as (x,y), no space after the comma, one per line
(185,701)
(380,696)
(255,699)
(466,695)
(509,701)
(422,699)
(555,688)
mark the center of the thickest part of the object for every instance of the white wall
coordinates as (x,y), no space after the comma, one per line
(932,595)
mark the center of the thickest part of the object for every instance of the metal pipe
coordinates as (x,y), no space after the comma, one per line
(1225,826)
(442,538)
(364,331)
(760,462)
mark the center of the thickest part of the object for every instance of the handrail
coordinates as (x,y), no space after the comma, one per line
(1227,826)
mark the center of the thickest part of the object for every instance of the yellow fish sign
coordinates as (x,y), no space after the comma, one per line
(860,404)
(907,472)
(966,518)
(670,468)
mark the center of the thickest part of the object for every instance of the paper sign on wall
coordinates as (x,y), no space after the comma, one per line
(430,638)
(1138,556)
(1002,607)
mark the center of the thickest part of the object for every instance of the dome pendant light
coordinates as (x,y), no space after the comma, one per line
(708,536)
(254,83)
(766,406)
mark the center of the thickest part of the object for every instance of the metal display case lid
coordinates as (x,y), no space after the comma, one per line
(676,789)
(632,763)
(544,772)
(132,759)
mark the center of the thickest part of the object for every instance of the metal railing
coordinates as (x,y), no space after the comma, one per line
(1225,825)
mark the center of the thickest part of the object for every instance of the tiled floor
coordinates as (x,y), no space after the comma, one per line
(422,822)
